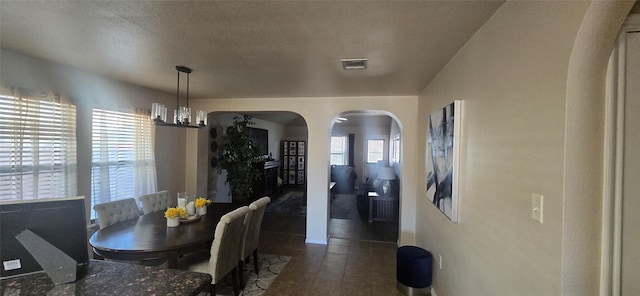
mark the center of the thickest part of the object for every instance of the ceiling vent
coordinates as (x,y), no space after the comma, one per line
(354,64)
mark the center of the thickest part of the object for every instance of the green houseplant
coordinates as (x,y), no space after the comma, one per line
(238,155)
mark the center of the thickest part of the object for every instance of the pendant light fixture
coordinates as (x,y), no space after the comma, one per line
(182,114)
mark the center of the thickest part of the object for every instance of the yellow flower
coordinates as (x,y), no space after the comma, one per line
(201,202)
(175,212)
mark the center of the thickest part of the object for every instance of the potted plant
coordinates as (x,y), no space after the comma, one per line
(173,216)
(201,204)
(239,155)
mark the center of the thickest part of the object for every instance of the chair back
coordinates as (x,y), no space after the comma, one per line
(154,202)
(252,225)
(225,249)
(116,211)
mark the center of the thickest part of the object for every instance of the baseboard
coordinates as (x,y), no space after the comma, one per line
(433,292)
(316,241)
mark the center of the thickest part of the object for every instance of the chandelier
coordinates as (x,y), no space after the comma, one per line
(182,114)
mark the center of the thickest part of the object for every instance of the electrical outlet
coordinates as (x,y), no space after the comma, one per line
(440,261)
(537,207)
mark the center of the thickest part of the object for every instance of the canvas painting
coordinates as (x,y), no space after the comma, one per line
(443,140)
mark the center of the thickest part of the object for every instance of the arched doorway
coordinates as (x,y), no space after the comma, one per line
(287,211)
(365,172)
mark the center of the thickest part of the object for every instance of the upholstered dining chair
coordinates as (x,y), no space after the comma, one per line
(116,211)
(154,202)
(251,235)
(224,253)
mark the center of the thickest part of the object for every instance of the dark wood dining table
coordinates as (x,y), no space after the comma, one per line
(148,237)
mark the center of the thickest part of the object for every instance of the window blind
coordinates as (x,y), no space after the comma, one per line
(123,162)
(38,157)
(375,150)
(338,150)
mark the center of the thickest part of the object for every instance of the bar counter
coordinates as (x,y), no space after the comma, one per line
(112,278)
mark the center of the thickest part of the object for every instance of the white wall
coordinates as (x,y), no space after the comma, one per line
(90,90)
(511,76)
(319,113)
(296,133)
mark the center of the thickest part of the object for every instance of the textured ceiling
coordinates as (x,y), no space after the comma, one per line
(249,48)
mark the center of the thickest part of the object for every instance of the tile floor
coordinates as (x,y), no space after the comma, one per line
(343,267)
(357,227)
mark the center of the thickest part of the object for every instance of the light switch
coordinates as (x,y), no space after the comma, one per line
(537,206)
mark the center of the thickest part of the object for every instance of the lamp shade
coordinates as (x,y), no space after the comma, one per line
(386,173)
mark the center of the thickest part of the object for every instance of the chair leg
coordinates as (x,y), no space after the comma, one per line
(241,273)
(234,278)
(212,289)
(255,261)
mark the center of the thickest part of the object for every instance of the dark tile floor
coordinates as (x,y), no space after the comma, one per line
(359,259)
(343,267)
(356,227)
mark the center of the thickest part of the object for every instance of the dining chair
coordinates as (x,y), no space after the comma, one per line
(224,253)
(154,202)
(116,211)
(251,235)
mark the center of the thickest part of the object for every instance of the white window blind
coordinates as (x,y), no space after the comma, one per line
(37,148)
(375,150)
(123,162)
(396,150)
(338,151)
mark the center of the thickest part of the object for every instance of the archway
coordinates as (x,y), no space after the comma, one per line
(287,211)
(363,204)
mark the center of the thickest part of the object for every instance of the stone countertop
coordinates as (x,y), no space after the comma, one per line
(112,278)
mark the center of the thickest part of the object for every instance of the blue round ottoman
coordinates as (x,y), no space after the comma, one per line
(413,270)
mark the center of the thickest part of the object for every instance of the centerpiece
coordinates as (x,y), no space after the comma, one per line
(201,205)
(173,216)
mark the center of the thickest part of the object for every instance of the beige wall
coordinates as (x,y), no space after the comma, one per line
(532,84)
(319,113)
(89,91)
(511,77)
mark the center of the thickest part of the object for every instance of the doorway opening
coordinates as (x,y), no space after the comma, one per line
(283,167)
(365,168)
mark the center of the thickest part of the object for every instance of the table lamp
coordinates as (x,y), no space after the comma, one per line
(386,174)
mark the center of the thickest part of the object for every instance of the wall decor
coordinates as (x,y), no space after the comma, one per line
(214,162)
(214,146)
(292,148)
(213,133)
(292,177)
(294,162)
(442,158)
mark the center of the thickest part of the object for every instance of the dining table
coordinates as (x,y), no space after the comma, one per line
(148,237)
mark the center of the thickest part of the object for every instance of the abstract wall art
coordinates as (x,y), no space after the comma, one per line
(442,158)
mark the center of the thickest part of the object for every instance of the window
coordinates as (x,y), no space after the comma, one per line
(37,148)
(338,150)
(123,162)
(396,150)
(375,151)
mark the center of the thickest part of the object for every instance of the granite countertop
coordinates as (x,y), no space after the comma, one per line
(112,278)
